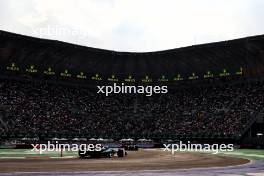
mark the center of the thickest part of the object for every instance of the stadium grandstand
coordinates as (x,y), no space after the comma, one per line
(48,89)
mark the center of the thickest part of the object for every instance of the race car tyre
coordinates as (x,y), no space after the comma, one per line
(120,153)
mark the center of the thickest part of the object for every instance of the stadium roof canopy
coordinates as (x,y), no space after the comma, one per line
(24,51)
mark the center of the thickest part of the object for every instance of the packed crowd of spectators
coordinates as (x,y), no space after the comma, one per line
(34,108)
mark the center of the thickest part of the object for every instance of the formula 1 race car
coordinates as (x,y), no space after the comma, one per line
(105,152)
